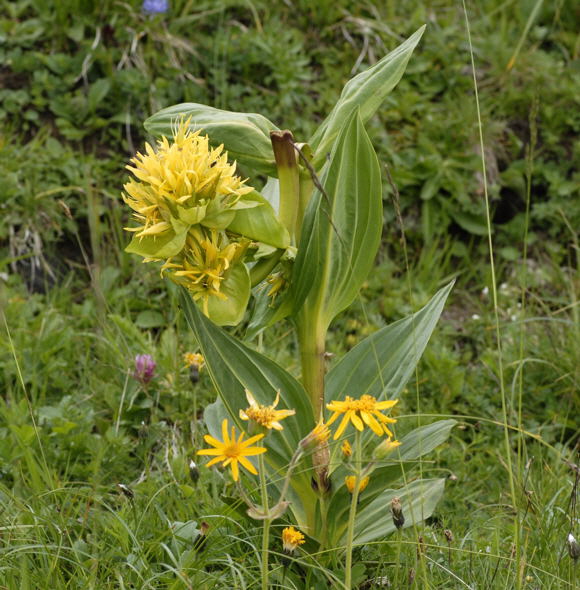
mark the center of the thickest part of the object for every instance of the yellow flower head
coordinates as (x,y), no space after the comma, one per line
(232,451)
(193,359)
(350,481)
(204,263)
(266,416)
(291,539)
(177,179)
(346,449)
(366,410)
(319,435)
(386,447)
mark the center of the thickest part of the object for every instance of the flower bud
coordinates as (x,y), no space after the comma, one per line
(573,547)
(397,512)
(350,481)
(346,449)
(193,472)
(385,448)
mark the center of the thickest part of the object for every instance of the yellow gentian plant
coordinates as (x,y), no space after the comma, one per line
(233,208)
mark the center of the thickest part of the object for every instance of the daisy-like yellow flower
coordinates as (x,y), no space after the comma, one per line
(178,180)
(193,359)
(291,539)
(366,410)
(350,481)
(231,451)
(204,263)
(266,416)
(346,449)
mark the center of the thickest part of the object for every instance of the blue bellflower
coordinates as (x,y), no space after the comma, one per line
(155,6)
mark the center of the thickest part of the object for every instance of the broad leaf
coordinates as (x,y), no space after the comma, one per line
(383,362)
(260,223)
(342,228)
(418,500)
(164,245)
(367,91)
(232,367)
(245,136)
(236,287)
(388,470)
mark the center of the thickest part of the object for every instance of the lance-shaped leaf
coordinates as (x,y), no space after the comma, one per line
(366,90)
(383,362)
(245,136)
(418,500)
(387,470)
(233,367)
(342,227)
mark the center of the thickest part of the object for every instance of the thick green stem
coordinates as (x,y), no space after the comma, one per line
(267,521)
(352,513)
(312,341)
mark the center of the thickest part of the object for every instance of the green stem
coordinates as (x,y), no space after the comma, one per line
(312,341)
(352,513)
(267,521)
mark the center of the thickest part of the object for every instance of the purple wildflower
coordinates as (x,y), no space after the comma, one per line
(144,368)
(155,6)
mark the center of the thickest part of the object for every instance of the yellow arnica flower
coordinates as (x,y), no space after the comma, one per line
(266,416)
(177,177)
(204,263)
(291,539)
(350,481)
(193,359)
(366,410)
(232,451)
(346,449)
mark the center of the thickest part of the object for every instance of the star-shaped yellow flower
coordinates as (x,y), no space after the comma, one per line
(361,412)
(232,451)
(266,416)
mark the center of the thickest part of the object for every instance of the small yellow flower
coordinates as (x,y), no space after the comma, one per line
(266,416)
(291,539)
(232,451)
(386,447)
(350,481)
(366,410)
(277,283)
(204,263)
(346,449)
(193,359)
(318,436)
(178,180)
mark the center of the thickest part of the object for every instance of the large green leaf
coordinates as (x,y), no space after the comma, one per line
(383,362)
(418,499)
(387,471)
(232,367)
(245,136)
(342,228)
(367,91)
(260,223)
